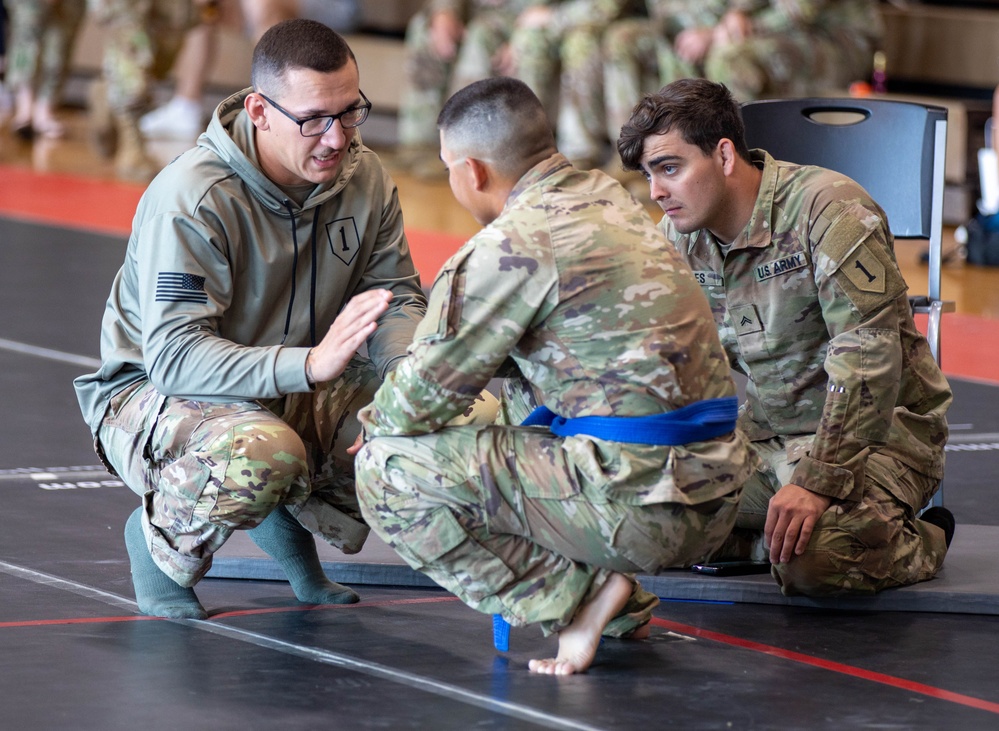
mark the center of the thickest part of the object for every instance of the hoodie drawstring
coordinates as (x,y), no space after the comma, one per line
(315,274)
(294,273)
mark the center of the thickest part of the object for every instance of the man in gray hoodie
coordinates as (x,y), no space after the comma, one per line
(259,262)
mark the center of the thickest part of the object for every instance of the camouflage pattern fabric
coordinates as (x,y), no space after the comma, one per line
(571,296)
(563,65)
(143,40)
(42,36)
(811,306)
(431,79)
(206,469)
(798,48)
(857,546)
(638,53)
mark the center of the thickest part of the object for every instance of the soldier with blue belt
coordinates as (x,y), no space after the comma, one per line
(572,296)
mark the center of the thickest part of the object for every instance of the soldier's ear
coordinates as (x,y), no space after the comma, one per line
(480,172)
(727,155)
(254,106)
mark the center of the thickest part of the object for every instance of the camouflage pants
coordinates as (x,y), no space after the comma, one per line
(856,547)
(581,121)
(791,64)
(538,56)
(143,40)
(503,518)
(431,79)
(42,36)
(205,469)
(638,59)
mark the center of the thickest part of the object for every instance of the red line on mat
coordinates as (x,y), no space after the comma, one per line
(221,615)
(836,667)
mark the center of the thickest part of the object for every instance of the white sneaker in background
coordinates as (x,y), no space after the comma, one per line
(178,119)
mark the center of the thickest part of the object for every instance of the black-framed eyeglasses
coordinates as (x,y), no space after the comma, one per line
(318,125)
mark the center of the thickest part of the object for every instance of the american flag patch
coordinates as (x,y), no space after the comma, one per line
(180,287)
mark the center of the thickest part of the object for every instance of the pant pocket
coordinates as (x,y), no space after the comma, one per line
(439,545)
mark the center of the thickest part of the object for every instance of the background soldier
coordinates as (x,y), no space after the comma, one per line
(571,284)
(757,48)
(143,40)
(42,37)
(556,50)
(449,44)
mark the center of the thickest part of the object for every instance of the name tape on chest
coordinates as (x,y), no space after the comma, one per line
(708,278)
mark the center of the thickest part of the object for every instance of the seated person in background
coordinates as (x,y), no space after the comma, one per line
(230,383)
(42,39)
(555,48)
(181,117)
(845,403)
(449,44)
(642,54)
(757,48)
(571,293)
(143,41)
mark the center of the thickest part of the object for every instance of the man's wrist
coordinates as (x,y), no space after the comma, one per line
(308,368)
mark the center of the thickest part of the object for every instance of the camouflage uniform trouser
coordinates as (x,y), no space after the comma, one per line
(205,469)
(788,64)
(581,120)
(143,40)
(431,79)
(502,517)
(638,59)
(42,35)
(538,57)
(856,547)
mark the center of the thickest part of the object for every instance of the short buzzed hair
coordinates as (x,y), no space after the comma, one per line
(296,43)
(702,111)
(500,121)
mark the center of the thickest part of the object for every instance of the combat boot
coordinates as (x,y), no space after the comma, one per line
(100,122)
(131,161)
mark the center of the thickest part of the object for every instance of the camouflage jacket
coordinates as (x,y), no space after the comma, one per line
(574,284)
(811,306)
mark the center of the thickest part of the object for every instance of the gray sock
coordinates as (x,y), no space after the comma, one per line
(285,540)
(156,593)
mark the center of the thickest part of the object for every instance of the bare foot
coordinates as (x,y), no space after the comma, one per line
(578,642)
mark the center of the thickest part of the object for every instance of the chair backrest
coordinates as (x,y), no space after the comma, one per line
(894,149)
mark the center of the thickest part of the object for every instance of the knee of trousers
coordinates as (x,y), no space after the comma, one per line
(845,558)
(373,483)
(266,465)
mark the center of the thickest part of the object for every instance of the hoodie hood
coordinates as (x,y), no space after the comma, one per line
(232,136)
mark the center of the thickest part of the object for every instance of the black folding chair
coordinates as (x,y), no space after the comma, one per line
(894,149)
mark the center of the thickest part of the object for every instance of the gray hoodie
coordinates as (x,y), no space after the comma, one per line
(227,282)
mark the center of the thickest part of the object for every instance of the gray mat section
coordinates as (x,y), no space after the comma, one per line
(968,583)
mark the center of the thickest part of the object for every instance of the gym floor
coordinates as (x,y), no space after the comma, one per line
(74,653)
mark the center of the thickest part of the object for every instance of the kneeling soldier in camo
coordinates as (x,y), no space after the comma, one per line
(845,403)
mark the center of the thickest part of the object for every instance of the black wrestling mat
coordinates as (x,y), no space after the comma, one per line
(968,583)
